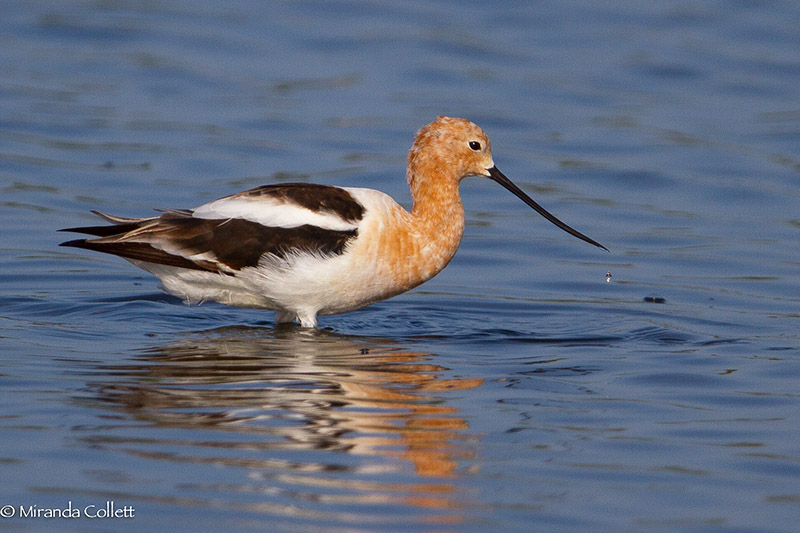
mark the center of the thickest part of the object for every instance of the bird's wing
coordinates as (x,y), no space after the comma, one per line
(235,232)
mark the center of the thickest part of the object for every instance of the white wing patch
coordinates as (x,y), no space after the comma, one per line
(271,212)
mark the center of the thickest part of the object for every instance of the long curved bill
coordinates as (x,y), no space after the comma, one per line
(500,178)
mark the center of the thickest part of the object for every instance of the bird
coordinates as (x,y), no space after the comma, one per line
(305,249)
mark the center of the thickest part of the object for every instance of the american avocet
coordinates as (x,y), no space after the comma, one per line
(302,249)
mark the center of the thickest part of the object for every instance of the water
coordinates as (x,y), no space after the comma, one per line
(523,388)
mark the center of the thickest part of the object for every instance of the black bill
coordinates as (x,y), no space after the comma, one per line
(500,178)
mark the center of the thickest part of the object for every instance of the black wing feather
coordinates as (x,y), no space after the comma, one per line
(234,243)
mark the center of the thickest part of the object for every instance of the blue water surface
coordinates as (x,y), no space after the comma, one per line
(521,389)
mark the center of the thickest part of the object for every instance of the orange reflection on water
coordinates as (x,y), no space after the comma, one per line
(298,400)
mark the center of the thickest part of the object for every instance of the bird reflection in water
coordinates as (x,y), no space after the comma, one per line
(315,416)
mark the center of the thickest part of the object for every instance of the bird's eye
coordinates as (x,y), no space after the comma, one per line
(475,146)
